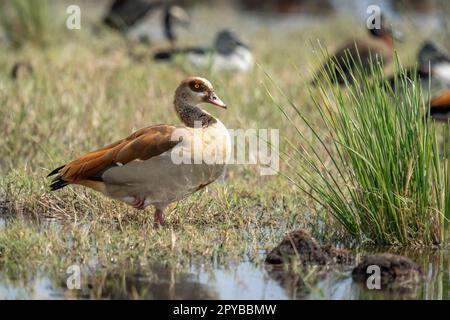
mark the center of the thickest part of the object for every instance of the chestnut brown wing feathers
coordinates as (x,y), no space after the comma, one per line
(441,101)
(143,144)
(440,107)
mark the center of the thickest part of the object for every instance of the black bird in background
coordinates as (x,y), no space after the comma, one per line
(126,16)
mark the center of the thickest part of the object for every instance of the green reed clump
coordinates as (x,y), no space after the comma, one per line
(25,21)
(378,167)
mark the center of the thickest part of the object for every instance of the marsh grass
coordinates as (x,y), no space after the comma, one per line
(25,21)
(383,176)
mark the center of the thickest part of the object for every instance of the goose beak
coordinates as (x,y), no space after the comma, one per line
(212,98)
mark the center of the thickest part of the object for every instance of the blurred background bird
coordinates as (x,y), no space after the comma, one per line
(432,68)
(361,52)
(229,53)
(435,62)
(147,21)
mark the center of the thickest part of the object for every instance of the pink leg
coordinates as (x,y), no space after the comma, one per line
(159,220)
(138,203)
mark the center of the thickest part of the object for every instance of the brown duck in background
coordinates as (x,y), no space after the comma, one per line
(345,59)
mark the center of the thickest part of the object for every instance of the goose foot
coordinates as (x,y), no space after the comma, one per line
(159,220)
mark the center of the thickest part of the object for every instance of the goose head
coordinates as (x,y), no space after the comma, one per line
(226,42)
(385,30)
(196,90)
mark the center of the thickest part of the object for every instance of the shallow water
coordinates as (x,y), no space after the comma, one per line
(221,280)
(244,280)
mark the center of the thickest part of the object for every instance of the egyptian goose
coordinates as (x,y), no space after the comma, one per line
(433,66)
(159,164)
(380,46)
(128,16)
(440,107)
(228,54)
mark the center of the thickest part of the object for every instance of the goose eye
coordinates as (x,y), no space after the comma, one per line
(196,86)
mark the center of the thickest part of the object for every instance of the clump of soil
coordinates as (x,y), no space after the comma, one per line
(300,246)
(395,271)
(338,256)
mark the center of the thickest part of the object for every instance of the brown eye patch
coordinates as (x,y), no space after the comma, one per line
(197,86)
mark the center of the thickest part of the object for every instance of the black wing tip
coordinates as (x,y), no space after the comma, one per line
(55,171)
(58,183)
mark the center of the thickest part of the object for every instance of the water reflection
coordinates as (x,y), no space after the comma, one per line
(157,283)
(241,281)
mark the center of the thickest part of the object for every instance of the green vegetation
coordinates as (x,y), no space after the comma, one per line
(384,177)
(25,21)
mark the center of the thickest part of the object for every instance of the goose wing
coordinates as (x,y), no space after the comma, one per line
(141,145)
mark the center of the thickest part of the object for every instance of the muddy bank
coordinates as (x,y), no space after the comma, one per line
(396,272)
(299,246)
(288,264)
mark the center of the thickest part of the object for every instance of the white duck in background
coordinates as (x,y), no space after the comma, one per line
(148,21)
(144,169)
(228,54)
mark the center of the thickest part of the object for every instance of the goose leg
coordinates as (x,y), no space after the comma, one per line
(159,220)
